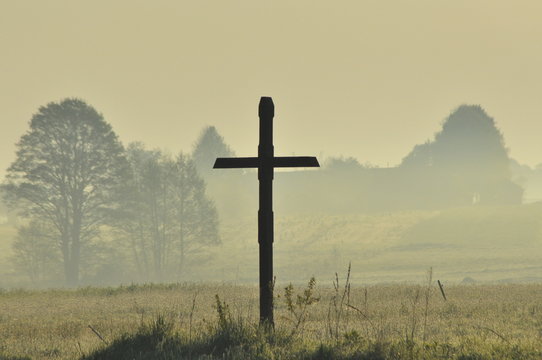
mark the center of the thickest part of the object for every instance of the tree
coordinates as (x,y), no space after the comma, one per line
(67,169)
(35,251)
(209,146)
(166,214)
(468,157)
(342,164)
(469,142)
(420,157)
(196,215)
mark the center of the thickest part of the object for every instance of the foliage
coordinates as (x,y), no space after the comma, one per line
(468,140)
(420,157)
(343,164)
(35,251)
(148,342)
(208,147)
(67,169)
(468,158)
(339,300)
(298,308)
(165,214)
(494,322)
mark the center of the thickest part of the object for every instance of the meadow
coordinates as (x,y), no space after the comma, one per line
(487,244)
(315,321)
(483,244)
(488,259)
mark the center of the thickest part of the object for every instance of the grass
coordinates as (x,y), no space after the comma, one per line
(386,310)
(210,321)
(487,244)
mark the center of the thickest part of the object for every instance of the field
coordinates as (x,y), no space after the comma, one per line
(486,244)
(379,321)
(488,259)
(483,244)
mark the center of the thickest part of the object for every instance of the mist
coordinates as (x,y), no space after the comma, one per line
(457,203)
(255,179)
(423,116)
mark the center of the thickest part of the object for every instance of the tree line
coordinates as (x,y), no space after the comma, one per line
(96,210)
(93,207)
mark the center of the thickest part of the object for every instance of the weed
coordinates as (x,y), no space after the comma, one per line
(339,299)
(493,322)
(298,307)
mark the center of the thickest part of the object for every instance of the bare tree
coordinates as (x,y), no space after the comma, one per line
(166,215)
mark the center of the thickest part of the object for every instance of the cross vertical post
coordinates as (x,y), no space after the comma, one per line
(266,162)
(266,112)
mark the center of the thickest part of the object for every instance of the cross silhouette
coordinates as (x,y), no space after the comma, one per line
(266,162)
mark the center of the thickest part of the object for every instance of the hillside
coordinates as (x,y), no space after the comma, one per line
(487,244)
(484,243)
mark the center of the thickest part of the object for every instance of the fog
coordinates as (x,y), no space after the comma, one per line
(424,116)
(369,78)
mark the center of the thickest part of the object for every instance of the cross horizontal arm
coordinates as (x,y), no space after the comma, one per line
(252,162)
(236,163)
(295,161)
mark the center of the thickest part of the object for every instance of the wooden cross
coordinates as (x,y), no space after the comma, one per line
(266,162)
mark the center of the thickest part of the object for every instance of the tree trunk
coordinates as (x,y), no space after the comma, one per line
(181,249)
(181,232)
(72,277)
(66,257)
(75,250)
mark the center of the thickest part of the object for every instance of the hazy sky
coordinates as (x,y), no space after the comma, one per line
(368,79)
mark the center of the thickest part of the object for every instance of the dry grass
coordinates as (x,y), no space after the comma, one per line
(54,324)
(491,321)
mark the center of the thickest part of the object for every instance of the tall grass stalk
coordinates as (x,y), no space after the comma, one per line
(339,300)
(427,297)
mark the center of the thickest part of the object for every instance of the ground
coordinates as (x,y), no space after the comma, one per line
(476,319)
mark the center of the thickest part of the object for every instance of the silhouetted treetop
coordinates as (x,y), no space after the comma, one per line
(467,159)
(468,141)
(343,164)
(420,156)
(209,146)
(469,138)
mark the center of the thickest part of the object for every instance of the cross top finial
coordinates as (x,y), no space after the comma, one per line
(266,106)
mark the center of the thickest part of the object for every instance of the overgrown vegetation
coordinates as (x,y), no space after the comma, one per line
(298,308)
(206,321)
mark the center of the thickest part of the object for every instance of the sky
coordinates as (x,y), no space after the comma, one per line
(368,79)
